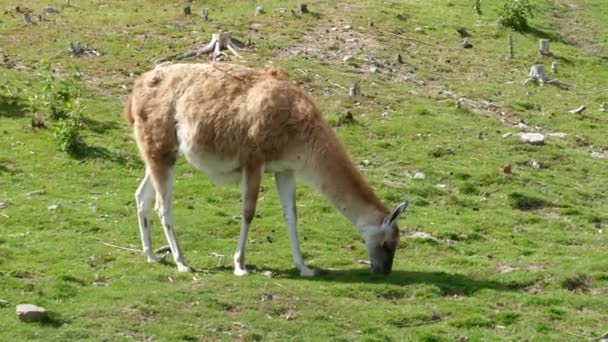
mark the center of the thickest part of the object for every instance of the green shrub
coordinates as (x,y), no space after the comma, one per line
(59,98)
(514,14)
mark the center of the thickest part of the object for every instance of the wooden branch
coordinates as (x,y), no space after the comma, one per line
(578,110)
(119,247)
(543,48)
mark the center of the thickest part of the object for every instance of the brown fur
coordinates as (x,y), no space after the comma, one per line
(255,117)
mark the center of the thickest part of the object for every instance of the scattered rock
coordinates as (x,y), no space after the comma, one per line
(266,297)
(31,313)
(603,107)
(255,27)
(50,10)
(373,69)
(441,186)
(466,44)
(599,154)
(508,134)
(522,126)
(347,58)
(557,135)
(419,29)
(535,164)
(507,169)
(53,207)
(347,27)
(421,235)
(532,138)
(4,205)
(366,162)
(463,32)
(347,119)
(269,274)
(419,175)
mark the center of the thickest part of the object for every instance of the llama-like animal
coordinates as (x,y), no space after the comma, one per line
(235,123)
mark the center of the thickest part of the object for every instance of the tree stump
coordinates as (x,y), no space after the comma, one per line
(399,59)
(543,48)
(304,8)
(205,14)
(355,90)
(554,67)
(259,10)
(27,17)
(187,10)
(537,73)
(219,41)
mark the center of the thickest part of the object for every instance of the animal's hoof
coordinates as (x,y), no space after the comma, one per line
(308,273)
(239,272)
(184,268)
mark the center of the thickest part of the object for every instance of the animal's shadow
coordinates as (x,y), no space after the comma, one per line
(447,283)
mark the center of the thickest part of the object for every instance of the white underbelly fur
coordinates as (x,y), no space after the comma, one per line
(219,170)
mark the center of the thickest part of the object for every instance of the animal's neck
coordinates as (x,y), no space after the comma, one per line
(334,174)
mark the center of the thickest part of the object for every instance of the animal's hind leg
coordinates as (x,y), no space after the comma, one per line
(144,197)
(162,178)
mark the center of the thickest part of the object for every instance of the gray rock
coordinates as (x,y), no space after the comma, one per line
(532,138)
(599,154)
(4,205)
(31,313)
(53,207)
(347,58)
(419,175)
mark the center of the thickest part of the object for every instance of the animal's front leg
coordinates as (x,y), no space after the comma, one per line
(250,187)
(286,186)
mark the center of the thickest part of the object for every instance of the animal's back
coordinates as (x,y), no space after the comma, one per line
(226,115)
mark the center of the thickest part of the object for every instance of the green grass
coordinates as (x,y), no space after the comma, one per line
(518,255)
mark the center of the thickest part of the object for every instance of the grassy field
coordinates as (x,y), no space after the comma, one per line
(516,245)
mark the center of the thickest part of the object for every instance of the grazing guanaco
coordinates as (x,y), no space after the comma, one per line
(235,123)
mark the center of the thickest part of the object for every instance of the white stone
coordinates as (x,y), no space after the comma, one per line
(31,313)
(419,175)
(532,138)
(347,58)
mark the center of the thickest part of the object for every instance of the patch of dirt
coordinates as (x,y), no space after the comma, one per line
(334,41)
(577,284)
(574,26)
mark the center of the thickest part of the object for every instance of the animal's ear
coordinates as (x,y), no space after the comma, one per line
(395,213)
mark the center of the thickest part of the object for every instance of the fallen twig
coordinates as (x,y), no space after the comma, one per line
(119,247)
(403,37)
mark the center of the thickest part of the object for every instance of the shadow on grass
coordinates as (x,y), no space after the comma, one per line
(448,284)
(90,152)
(53,321)
(100,127)
(538,33)
(11,107)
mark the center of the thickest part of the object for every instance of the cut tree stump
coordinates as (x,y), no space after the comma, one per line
(187,10)
(355,90)
(304,8)
(543,48)
(537,73)
(554,67)
(205,14)
(259,10)
(219,42)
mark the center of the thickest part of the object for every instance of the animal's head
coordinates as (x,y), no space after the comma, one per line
(381,241)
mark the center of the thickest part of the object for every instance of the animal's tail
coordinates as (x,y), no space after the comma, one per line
(127,112)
